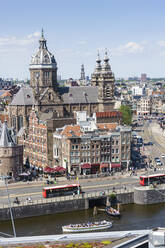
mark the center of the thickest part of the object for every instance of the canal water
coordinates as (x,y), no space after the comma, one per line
(133,217)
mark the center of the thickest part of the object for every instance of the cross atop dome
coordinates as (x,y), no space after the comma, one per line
(42,41)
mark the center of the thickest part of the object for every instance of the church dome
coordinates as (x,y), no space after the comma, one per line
(43,58)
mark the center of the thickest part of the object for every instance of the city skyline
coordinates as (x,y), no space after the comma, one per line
(132,32)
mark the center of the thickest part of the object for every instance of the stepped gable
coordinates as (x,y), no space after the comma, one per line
(6,139)
(76,94)
(24,97)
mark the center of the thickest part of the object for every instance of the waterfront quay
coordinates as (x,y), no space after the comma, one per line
(138,195)
(96,193)
(63,204)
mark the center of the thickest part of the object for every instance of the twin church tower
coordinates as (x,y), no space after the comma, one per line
(45,95)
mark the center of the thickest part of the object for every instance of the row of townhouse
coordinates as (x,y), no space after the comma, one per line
(38,138)
(149,105)
(89,152)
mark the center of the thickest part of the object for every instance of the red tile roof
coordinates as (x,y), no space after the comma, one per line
(70,130)
(107,126)
(108,114)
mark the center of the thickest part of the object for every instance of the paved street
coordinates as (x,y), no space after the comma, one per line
(34,190)
(153,132)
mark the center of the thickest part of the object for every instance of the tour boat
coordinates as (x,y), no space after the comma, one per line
(86,227)
(112,211)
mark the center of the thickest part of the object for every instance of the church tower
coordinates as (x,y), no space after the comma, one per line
(43,69)
(104,79)
(82,73)
(95,76)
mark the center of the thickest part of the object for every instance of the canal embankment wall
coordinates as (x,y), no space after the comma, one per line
(61,204)
(147,195)
(139,195)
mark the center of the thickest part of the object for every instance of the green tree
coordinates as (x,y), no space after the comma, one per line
(126,113)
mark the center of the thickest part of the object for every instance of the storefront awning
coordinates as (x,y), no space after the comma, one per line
(86,166)
(53,170)
(59,169)
(115,165)
(95,165)
(104,166)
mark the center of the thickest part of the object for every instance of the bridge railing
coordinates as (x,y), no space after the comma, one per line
(96,194)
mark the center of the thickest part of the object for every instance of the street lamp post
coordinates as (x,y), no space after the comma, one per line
(148,172)
(9,203)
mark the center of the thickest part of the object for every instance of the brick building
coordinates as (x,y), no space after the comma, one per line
(38,138)
(35,143)
(109,117)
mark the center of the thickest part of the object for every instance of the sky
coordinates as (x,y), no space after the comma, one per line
(132,31)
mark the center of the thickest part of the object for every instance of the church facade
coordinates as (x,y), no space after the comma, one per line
(53,101)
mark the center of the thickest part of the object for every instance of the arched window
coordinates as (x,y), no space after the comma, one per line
(20,122)
(14,122)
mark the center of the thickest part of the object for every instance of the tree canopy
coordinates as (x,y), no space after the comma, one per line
(126,113)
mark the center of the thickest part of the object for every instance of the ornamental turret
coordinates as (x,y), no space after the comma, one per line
(95,75)
(106,66)
(106,81)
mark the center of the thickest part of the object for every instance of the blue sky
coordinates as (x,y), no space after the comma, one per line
(132,31)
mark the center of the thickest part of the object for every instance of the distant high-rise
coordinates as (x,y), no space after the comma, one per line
(143,77)
(82,73)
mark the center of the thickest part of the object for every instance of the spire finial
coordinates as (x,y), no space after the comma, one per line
(42,33)
(98,57)
(106,58)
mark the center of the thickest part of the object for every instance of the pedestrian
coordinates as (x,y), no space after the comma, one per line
(16,200)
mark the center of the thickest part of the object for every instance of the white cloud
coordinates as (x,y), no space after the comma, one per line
(161,43)
(131,48)
(35,34)
(13,40)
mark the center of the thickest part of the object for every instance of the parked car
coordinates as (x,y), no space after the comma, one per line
(163,155)
(150,143)
(159,163)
